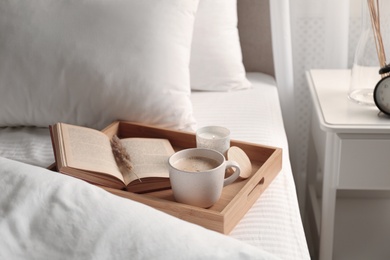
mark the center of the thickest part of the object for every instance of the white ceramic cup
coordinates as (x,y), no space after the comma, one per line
(197,176)
(213,137)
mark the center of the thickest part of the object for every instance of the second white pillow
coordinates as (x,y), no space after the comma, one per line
(216,58)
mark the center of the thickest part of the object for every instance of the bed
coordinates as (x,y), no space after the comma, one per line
(46,215)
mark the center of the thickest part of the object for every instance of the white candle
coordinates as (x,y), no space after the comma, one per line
(213,137)
(210,135)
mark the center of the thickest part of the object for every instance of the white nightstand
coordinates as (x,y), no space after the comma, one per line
(348,201)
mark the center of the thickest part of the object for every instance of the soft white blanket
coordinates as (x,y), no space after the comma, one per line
(46,215)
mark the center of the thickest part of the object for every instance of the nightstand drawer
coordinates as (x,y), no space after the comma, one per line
(365,163)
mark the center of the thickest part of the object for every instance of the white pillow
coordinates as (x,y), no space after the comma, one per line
(94,61)
(216,58)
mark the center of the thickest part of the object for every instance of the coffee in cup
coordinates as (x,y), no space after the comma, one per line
(195,164)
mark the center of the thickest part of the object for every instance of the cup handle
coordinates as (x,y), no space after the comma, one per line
(234,176)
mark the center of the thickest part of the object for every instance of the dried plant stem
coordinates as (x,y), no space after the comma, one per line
(373,6)
(122,159)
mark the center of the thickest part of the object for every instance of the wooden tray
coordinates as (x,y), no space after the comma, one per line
(236,198)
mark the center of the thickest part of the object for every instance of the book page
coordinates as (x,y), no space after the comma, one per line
(149,156)
(89,149)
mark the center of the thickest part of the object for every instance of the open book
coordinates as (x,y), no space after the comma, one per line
(87,154)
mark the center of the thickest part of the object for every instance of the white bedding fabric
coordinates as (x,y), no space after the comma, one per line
(44,215)
(62,215)
(254,115)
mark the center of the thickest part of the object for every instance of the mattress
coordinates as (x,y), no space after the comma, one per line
(254,115)
(273,223)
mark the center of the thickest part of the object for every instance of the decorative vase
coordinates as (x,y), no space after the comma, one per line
(365,70)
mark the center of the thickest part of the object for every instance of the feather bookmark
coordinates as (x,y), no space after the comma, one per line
(122,159)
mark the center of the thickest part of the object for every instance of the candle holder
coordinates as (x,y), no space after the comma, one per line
(213,137)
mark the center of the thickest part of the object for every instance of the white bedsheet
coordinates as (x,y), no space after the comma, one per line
(30,145)
(253,115)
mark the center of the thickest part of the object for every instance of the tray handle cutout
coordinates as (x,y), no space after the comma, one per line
(256,189)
